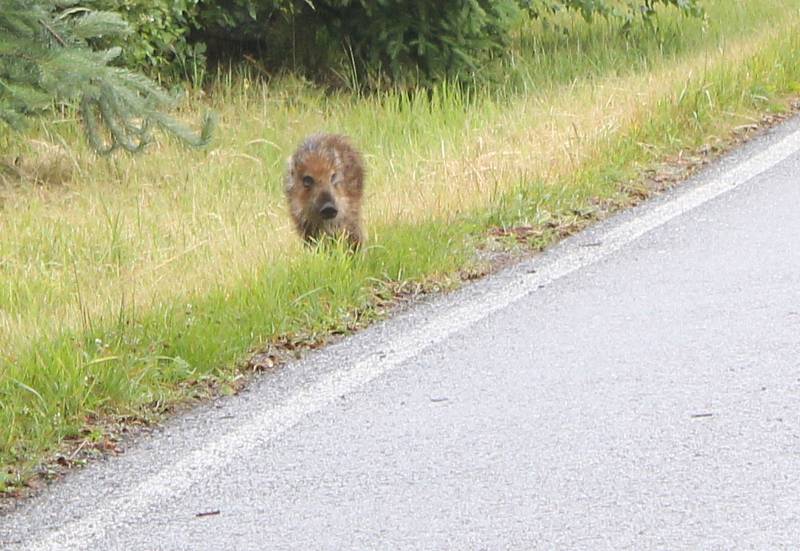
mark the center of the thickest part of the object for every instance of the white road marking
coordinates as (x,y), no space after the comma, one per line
(132,504)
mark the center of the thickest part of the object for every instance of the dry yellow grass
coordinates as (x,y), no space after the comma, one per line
(131,232)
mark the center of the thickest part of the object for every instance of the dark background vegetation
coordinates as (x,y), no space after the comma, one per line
(363,43)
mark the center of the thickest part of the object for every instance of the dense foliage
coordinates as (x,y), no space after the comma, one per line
(402,40)
(626,10)
(159,40)
(45,56)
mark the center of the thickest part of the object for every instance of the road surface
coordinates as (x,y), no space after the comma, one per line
(636,387)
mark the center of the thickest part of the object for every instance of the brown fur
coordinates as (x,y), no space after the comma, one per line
(324,187)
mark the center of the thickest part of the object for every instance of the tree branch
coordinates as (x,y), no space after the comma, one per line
(54,33)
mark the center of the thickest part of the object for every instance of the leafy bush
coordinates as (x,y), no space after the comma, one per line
(404,40)
(354,40)
(160,41)
(430,39)
(401,39)
(625,10)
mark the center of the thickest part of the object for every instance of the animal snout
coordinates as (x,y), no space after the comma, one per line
(328,210)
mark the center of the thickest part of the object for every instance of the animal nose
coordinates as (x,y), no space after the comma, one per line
(328,211)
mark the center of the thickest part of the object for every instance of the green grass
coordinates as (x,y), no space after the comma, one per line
(134,282)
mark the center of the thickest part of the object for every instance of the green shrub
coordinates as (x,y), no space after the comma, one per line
(409,41)
(159,43)
(405,40)
(361,42)
(625,10)
(412,39)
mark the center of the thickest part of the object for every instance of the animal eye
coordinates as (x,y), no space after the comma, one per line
(333,179)
(308,181)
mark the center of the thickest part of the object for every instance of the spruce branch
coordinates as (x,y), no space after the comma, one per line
(46,58)
(53,33)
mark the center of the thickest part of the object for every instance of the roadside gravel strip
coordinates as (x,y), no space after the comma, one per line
(89,508)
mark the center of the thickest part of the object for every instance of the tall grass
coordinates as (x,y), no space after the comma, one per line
(139,276)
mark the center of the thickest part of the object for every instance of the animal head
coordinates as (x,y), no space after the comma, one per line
(315,182)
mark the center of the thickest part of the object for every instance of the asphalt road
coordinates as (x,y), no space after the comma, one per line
(637,387)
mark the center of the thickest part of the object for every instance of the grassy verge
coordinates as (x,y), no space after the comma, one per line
(134,282)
